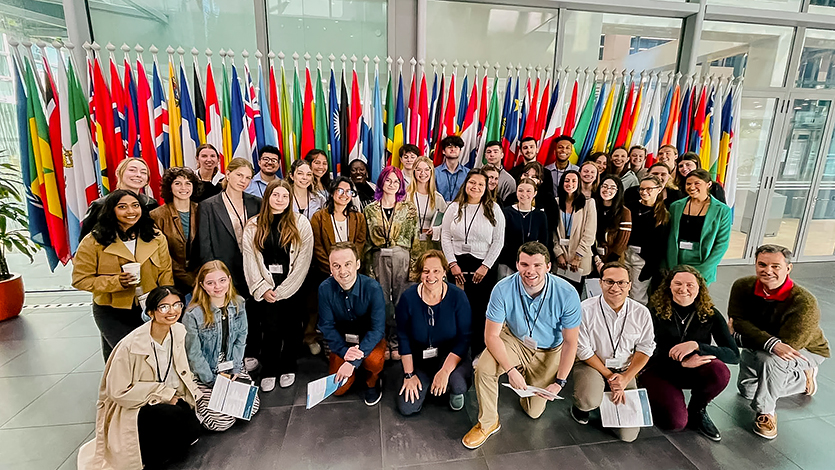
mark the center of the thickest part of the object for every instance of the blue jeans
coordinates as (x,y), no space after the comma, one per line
(459,382)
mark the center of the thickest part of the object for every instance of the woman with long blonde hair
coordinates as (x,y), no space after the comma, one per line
(216,328)
(429,202)
(277,248)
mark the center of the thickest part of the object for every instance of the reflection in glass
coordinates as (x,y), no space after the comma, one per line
(821,238)
(760,53)
(817,61)
(782,5)
(825,7)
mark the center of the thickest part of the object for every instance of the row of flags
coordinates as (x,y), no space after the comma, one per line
(74,134)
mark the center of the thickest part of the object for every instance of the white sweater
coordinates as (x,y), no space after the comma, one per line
(485,240)
(258,277)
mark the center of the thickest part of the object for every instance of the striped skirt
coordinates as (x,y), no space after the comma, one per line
(212,420)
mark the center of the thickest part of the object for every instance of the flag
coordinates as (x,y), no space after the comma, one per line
(44,179)
(145,108)
(594,125)
(131,129)
(469,129)
(55,129)
(570,116)
(492,122)
(697,125)
(188,123)
(581,130)
(161,142)
(366,121)
(463,104)
(511,120)
(226,116)
(399,124)
(413,112)
(705,149)
(448,122)
(308,134)
(378,149)
(542,114)
(320,116)
(669,115)
(423,118)
(175,141)
(237,120)
(716,127)
(101,165)
(388,117)
(104,127)
(38,231)
(531,117)
(684,121)
(295,129)
(640,116)
(333,127)
(277,113)
(214,119)
(602,134)
(344,123)
(199,106)
(118,102)
(554,128)
(636,110)
(617,116)
(653,129)
(252,114)
(729,177)
(270,136)
(435,119)
(626,117)
(355,114)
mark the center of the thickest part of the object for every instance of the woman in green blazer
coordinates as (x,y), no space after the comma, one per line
(700,227)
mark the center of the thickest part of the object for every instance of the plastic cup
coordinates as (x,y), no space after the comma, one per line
(134,269)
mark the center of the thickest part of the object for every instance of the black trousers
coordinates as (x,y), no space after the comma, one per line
(114,324)
(479,297)
(166,432)
(275,334)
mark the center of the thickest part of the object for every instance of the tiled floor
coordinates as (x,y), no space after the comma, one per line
(50,365)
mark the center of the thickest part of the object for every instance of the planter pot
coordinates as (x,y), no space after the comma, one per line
(11,297)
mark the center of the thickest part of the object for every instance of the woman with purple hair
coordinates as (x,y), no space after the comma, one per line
(392,229)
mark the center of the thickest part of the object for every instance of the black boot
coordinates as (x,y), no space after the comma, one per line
(700,421)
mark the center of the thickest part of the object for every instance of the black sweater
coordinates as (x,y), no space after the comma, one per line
(519,228)
(669,333)
(648,237)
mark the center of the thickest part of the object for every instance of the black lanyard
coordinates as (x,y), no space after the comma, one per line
(688,319)
(687,208)
(390,222)
(472,221)
(422,217)
(525,216)
(160,378)
(429,314)
(336,230)
(538,311)
(452,186)
(224,330)
(237,214)
(606,324)
(306,210)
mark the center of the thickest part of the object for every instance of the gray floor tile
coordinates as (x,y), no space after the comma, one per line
(468,464)
(807,442)
(347,436)
(10,349)
(41,448)
(84,326)
(564,457)
(72,461)
(38,326)
(645,454)
(53,356)
(254,445)
(68,402)
(19,392)
(95,363)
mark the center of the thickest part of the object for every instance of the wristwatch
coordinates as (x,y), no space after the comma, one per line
(560,382)
(408,375)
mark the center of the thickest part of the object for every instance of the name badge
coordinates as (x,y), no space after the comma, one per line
(601,250)
(386,252)
(352,339)
(529,342)
(616,363)
(430,353)
(224,366)
(564,241)
(276,269)
(467,248)
(682,245)
(142,298)
(636,249)
(423,236)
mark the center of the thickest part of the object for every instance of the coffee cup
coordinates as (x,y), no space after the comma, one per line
(133,269)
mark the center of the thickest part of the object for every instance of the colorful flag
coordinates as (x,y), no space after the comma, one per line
(118,100)
(388,116)
(161,142)
(463,104)
(355,114)
(492,122)
(399,124)
(729,176)
(252,118)
(333,127)
(554,129)
(237,120)
(188,123)
(55,128)
(469,129)
(320,116)
(653,128)
(175,141)
(717,94)
(366,121)
(570,116)
(413,111)
(131,129)
(378,149)
(298,116)
(531,118)
(270,136)
(423,118)
(684,121)
(511,121)
(214,118)
(199,105)
(104,127)
(145,108)
(594,125)
(542,113)
(581,130)
(602,134)
(277,114)
(448,123)
(226,115)
(635,111)
(308,134)
(669,114)
(435,119)
(344,124)
(617,117)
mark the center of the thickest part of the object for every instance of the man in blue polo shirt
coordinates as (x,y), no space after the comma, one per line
(531,333)
(450,175)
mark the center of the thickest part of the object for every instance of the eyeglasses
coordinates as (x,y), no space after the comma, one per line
(610,283)
(431,316)
(646,190)
(342,192)
(609,187)
(165,308)
(269,160)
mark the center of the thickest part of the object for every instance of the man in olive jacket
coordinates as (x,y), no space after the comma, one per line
(777,325)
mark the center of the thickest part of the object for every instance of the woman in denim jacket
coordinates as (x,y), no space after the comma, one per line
(216,329)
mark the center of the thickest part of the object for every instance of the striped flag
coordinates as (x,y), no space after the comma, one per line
(252,117)
(320,116)
(398,124)
(354,115)
(412,110)
(145,107)
(117,92)
(270,135)
(199,105)
(104,127)
(581,129)
(308,132)
(469,129)
(188,123)
(237,119)
(131,128)
(161,142)
(423,118)
(175,139)
(511,120)
(214,119)
(298,116)
(554,129)
(492,122)
(334,134)
(226,116)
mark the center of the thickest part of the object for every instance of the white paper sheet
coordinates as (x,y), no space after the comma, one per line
(233,398)
(593,287)
(575,276)
(633,413)
(318,390)
(532,391)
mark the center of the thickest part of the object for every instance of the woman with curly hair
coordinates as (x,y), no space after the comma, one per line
(686,324)
(177,220)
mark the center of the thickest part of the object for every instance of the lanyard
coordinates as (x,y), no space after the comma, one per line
(237,214)
(538,311)
(567,221)
(336,230)
(450,184)
(390,222)
(306,209)
(466,228)
(687,208)
(525,216)
(422,217)
(160,378)
(606,324)
(429,314)
(688,319)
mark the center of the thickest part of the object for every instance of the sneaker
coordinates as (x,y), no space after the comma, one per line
(580,416)
(315,349)
(250,364)
(268,384)
(476,436)
(811,381)
(374,394)
(766,426)
(286,380)
(456,401)
(700,421)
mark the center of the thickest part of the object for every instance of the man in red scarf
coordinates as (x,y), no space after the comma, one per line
(777,325)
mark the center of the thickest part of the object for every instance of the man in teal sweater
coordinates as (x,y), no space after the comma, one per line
(777,325)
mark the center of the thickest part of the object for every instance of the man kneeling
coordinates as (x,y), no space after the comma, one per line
(531,335)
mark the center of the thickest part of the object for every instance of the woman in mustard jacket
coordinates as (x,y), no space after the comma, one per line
(700,227)
(124,234)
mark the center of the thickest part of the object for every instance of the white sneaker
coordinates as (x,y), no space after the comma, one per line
(268,384)
(286,380)
(250,364)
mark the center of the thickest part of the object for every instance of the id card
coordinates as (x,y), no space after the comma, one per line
(601,250)
(564,241)
(142,298)
(682,245)
(423,236)
(224,366)
(616,363)
(636,249)
(467,248)
(276,269)
(352,339)
(386,252)
(529,342)
(430,353)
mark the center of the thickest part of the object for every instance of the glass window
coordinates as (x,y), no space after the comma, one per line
(471,31)
(350,27)
(213,25)
(817,61)
(759,52)
(782,5)
(825,7)
(820,240)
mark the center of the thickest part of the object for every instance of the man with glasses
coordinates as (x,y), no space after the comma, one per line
(531,335)
(269,160)
(616,341)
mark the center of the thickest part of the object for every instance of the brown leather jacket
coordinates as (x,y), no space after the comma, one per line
(184,258)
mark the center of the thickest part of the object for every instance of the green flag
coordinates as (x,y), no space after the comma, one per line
(320,117)
(616,119)
(388,118)
(298,114)
(492,123)
(582,127)
(287,123)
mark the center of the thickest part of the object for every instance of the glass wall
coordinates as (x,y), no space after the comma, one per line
(820,240)
(825,7)
(817,61)
(783,5)
(760,53)
(629,42)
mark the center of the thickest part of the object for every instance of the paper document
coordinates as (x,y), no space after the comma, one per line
(436,226)
(233,398)
(320,389)
(633,413)
(593,288)
(575,276)
(532,391)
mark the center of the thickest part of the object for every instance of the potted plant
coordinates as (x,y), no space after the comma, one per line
(14,235)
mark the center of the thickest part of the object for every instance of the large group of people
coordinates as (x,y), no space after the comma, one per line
(463,275)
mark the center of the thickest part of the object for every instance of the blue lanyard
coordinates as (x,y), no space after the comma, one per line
(567,220)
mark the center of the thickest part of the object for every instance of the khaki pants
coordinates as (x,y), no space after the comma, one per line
(538,367)
(635,264)
(589,386)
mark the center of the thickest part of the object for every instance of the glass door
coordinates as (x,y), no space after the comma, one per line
(820,237)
